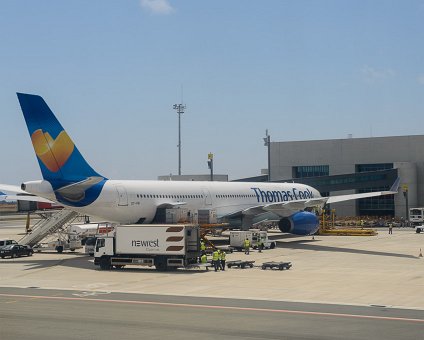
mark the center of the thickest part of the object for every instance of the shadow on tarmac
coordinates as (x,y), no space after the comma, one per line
(84,262)
(312,245)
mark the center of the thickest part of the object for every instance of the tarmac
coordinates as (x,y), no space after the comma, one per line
(382,270)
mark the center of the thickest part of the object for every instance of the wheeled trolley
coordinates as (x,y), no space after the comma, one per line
(276,265)
(240,264)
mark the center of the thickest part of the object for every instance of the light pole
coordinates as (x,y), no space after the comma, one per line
(405,194)
(210,164)
(180,109)
(267,142)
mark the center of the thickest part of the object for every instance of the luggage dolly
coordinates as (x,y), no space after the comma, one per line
(240,264)
(277,265)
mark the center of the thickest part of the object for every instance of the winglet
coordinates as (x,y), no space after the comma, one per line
(395,186)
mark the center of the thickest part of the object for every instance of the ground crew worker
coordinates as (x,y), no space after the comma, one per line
(260,245)
(202,247)
(222,258)
(390,227)
(246,246)
(215,259)
(204,258)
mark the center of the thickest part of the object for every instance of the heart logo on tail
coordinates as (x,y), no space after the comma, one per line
(53,153)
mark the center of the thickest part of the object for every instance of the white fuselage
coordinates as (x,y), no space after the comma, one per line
(129,201)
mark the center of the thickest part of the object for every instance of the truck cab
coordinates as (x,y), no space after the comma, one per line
(104,246)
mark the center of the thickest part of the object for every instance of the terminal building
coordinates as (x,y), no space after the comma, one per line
(355,165)
(348,166)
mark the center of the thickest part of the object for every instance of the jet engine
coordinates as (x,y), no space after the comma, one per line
(300,223)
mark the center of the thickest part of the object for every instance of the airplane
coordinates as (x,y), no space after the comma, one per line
(69,180)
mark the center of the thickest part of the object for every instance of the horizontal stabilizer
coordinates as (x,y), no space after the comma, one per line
(76,192)
(12,188)
(24,198)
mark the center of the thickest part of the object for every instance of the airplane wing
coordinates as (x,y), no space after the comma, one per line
(285,209)
(393,190)
(282,209)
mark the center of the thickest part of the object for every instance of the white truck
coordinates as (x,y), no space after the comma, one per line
(237,238)
(71,242)
(419,228)
(416,216)
(164,246)
(74,237)
(104,229)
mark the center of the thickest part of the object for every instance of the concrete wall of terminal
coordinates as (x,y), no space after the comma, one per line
(342,156)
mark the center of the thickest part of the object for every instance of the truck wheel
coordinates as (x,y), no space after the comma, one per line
(418,230)
(264,267)
(161,267)
(272,245)
(59,249)
(105,263)
(160,264)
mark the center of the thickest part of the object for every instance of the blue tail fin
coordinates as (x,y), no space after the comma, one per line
(60,161)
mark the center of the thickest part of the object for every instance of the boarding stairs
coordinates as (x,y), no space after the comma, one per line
(48,226)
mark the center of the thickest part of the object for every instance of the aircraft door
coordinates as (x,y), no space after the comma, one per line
(207,196)
(122,196)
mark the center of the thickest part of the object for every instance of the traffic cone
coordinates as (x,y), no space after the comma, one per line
(421,253)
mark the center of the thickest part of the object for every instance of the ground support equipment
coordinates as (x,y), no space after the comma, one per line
(240,264)
(276,265)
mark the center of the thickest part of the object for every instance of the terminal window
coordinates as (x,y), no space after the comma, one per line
(373,167)
(310,171)
(376,206)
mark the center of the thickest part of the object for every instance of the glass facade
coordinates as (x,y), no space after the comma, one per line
(310,171)
(376,206)
(373,167)
(348,180)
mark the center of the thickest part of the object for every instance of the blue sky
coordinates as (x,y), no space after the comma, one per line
(111,71)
